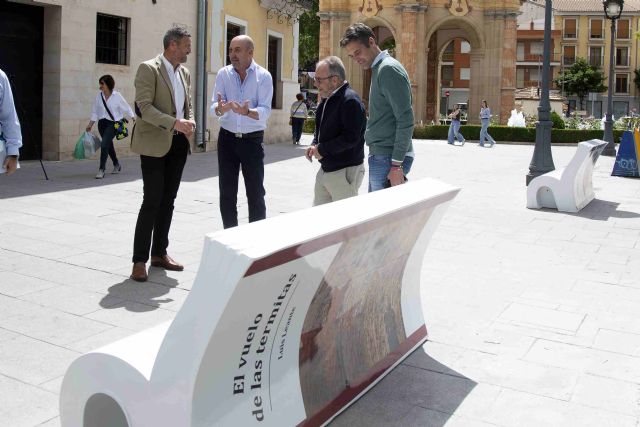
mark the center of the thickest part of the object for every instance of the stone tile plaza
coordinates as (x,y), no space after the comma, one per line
(533,315)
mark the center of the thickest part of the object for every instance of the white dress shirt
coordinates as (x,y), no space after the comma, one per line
(9,123)
(178,87)
(257,88)
(117,105)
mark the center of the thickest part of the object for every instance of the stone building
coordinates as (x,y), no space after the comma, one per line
(422,30)
(55,50)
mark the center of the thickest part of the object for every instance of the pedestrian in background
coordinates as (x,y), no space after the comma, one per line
(161,137)
(298,116)
(242,101)
(338,141)
(485,115)
(10,133)
(390,124)
(454,127)
(108,108)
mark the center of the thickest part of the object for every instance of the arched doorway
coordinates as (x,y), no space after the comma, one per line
(455,72)
(455,66)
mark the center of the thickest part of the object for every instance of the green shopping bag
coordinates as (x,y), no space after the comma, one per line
(78,152)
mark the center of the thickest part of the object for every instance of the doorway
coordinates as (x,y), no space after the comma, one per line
(21,49)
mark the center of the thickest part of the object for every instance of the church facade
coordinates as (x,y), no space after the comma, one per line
(418,32)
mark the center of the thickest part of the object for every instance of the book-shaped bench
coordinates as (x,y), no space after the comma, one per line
(569,189)
(289,320)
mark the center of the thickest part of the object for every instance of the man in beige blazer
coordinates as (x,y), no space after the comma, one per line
(161,137)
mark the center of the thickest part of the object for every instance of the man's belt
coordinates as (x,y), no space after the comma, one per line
(238,135)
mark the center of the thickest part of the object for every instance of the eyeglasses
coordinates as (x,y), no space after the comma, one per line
(319,79)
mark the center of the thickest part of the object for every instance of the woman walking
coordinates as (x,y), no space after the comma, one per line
(454,127)
(298,116)
(485,115)
(109,107)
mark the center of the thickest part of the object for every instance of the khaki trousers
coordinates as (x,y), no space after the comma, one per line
(337,185)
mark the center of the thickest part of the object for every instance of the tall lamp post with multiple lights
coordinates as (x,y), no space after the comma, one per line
(542,161)
(612,10)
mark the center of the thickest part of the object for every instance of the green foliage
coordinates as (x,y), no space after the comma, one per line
(502,133)
(513,134)
(580,79)
(309,41)
(309,126)
(636,79)
(558,123)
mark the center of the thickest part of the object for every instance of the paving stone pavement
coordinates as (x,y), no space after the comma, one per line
(533,316)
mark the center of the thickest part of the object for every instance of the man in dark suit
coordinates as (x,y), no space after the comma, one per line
(161,137)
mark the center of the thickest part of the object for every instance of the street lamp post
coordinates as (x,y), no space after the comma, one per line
(542,161)
(612,10)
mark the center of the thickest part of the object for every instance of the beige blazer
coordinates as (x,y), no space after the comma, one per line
(155,107)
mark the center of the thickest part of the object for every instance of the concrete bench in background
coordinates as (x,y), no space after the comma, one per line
(569,189)
(288,322)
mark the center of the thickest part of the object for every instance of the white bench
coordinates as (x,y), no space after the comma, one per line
(569,189)
(289,321)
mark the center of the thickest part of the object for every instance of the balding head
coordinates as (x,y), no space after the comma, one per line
(241,52)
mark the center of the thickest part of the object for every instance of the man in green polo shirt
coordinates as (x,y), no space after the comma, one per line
(390,124)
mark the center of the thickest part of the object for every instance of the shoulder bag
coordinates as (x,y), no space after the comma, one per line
(120,126)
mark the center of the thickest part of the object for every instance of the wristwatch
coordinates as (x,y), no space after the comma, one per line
(217,111)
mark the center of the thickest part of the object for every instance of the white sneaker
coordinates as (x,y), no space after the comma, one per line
(100,174)
(117,169)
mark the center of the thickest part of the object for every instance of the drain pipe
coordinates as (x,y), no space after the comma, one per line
(201,73)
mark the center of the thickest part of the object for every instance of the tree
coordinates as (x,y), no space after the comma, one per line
(580,79)
(309,42)
(636,79)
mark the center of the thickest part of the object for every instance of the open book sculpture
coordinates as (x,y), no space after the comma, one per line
(288,322)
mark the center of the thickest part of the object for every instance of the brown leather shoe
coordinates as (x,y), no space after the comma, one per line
(166,262)
(139,272)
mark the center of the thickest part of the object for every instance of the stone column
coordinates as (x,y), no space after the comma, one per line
(508,80)
(477,89)
(409,44)
(432,80)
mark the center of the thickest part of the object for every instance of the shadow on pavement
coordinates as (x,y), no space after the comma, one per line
(140,297)
(419,392)
(79,174)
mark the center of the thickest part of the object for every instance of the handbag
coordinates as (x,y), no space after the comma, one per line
(120,126)
(291,117)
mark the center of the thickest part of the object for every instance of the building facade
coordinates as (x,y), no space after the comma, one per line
(273,26)
(422,31)
(586,33)
(55,50)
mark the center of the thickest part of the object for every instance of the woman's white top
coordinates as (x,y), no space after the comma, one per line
(485,113)
(117,105)
(299,110)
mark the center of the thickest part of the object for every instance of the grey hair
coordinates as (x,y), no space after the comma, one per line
(174,34)
(336,67)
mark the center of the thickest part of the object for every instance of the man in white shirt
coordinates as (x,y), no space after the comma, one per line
(161,137)
(10,134)
(242,101)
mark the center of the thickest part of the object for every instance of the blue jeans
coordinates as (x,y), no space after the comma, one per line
(107,132)
(379,167)
(296,128)
(484,134)
(454,132)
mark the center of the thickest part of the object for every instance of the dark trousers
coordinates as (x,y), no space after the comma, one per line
(233,154)
(161,178)
(296,128)
(107,132)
